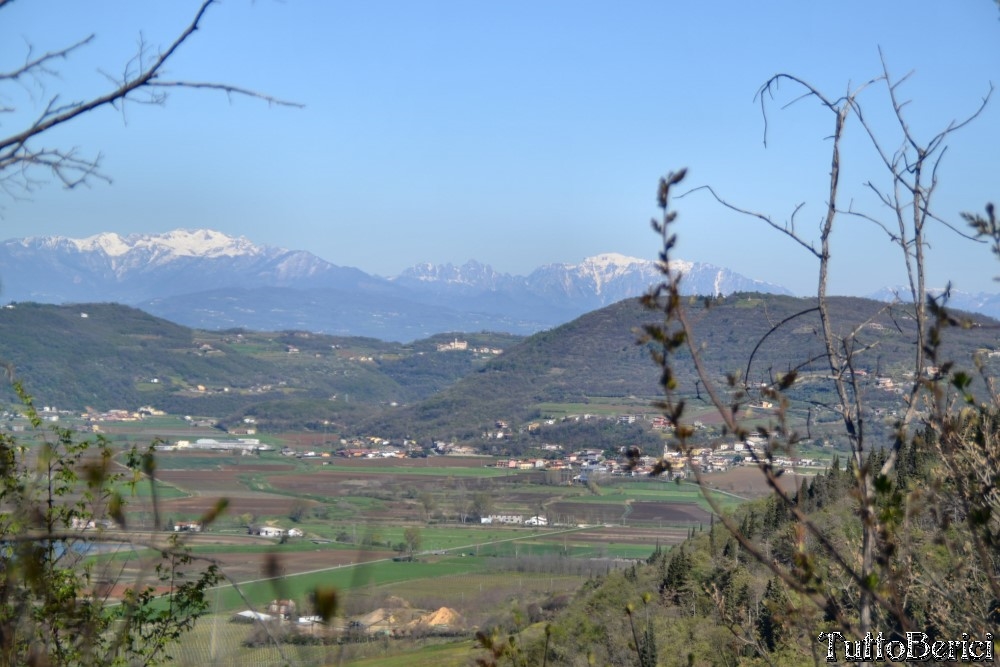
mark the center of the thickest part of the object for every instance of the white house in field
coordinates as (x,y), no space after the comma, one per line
(267,531)
(509,519)
(536,521)
(275,531)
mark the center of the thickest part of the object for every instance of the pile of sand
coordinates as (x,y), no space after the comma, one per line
(443,616)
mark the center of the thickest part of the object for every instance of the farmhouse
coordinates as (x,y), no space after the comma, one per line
(80,523)
(274,531)
(511,519)
(187,527)
(267,531)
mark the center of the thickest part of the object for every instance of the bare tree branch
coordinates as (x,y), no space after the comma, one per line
(788,229)
(139,82)
(39,65)
(228,89)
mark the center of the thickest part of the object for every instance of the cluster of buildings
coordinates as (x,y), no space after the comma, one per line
(457,345)
(724,456)
(592,464)
(388,452)
(240,445)
(514,520)
(274,531)
(92,419)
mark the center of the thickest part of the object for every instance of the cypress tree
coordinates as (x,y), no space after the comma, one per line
(711,535)
(769,625)
(676,581)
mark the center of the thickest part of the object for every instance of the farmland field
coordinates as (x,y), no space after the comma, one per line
(472,590)
(354,514)
(749,481)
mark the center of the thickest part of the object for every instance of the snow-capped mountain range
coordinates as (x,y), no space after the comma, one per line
(981,302)
(207,279)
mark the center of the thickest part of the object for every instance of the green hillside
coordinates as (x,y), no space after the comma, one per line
(110,356)
(597,356)
(107,356)
(712,601)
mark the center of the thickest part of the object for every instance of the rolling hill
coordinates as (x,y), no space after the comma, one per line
(449,386)
(105,356)
(597,355)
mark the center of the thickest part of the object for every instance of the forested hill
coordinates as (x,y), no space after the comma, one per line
(112,356)
(597,355)
(105,356)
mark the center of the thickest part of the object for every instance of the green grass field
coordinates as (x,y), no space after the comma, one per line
(599,406)
(420,471)
(620,490)
(218,641)
(343,578)
(143,489)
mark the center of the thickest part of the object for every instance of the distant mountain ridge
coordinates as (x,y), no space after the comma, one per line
(602,279)
(134,268)
(982,302)
(207,279)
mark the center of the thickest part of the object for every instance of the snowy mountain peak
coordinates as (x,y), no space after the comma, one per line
(110,244)
(612,261)
(177,243)
(472,273)
(209,279)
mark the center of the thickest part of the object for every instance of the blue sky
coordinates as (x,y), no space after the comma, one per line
(515,133)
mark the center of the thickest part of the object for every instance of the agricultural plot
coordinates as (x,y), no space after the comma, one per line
(187,492)
(569,512)
(465,593)
(666,513)
(256,504)
(262,560)
(199,481)
(662,513)
(393,493)
(330,478)
(434,464)
(468,599)
(749,482)
(473,570)
(643,539)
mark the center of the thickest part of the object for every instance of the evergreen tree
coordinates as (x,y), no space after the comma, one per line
(676,581)
(711,536)
(775,606)
(802,500)
(647,652)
